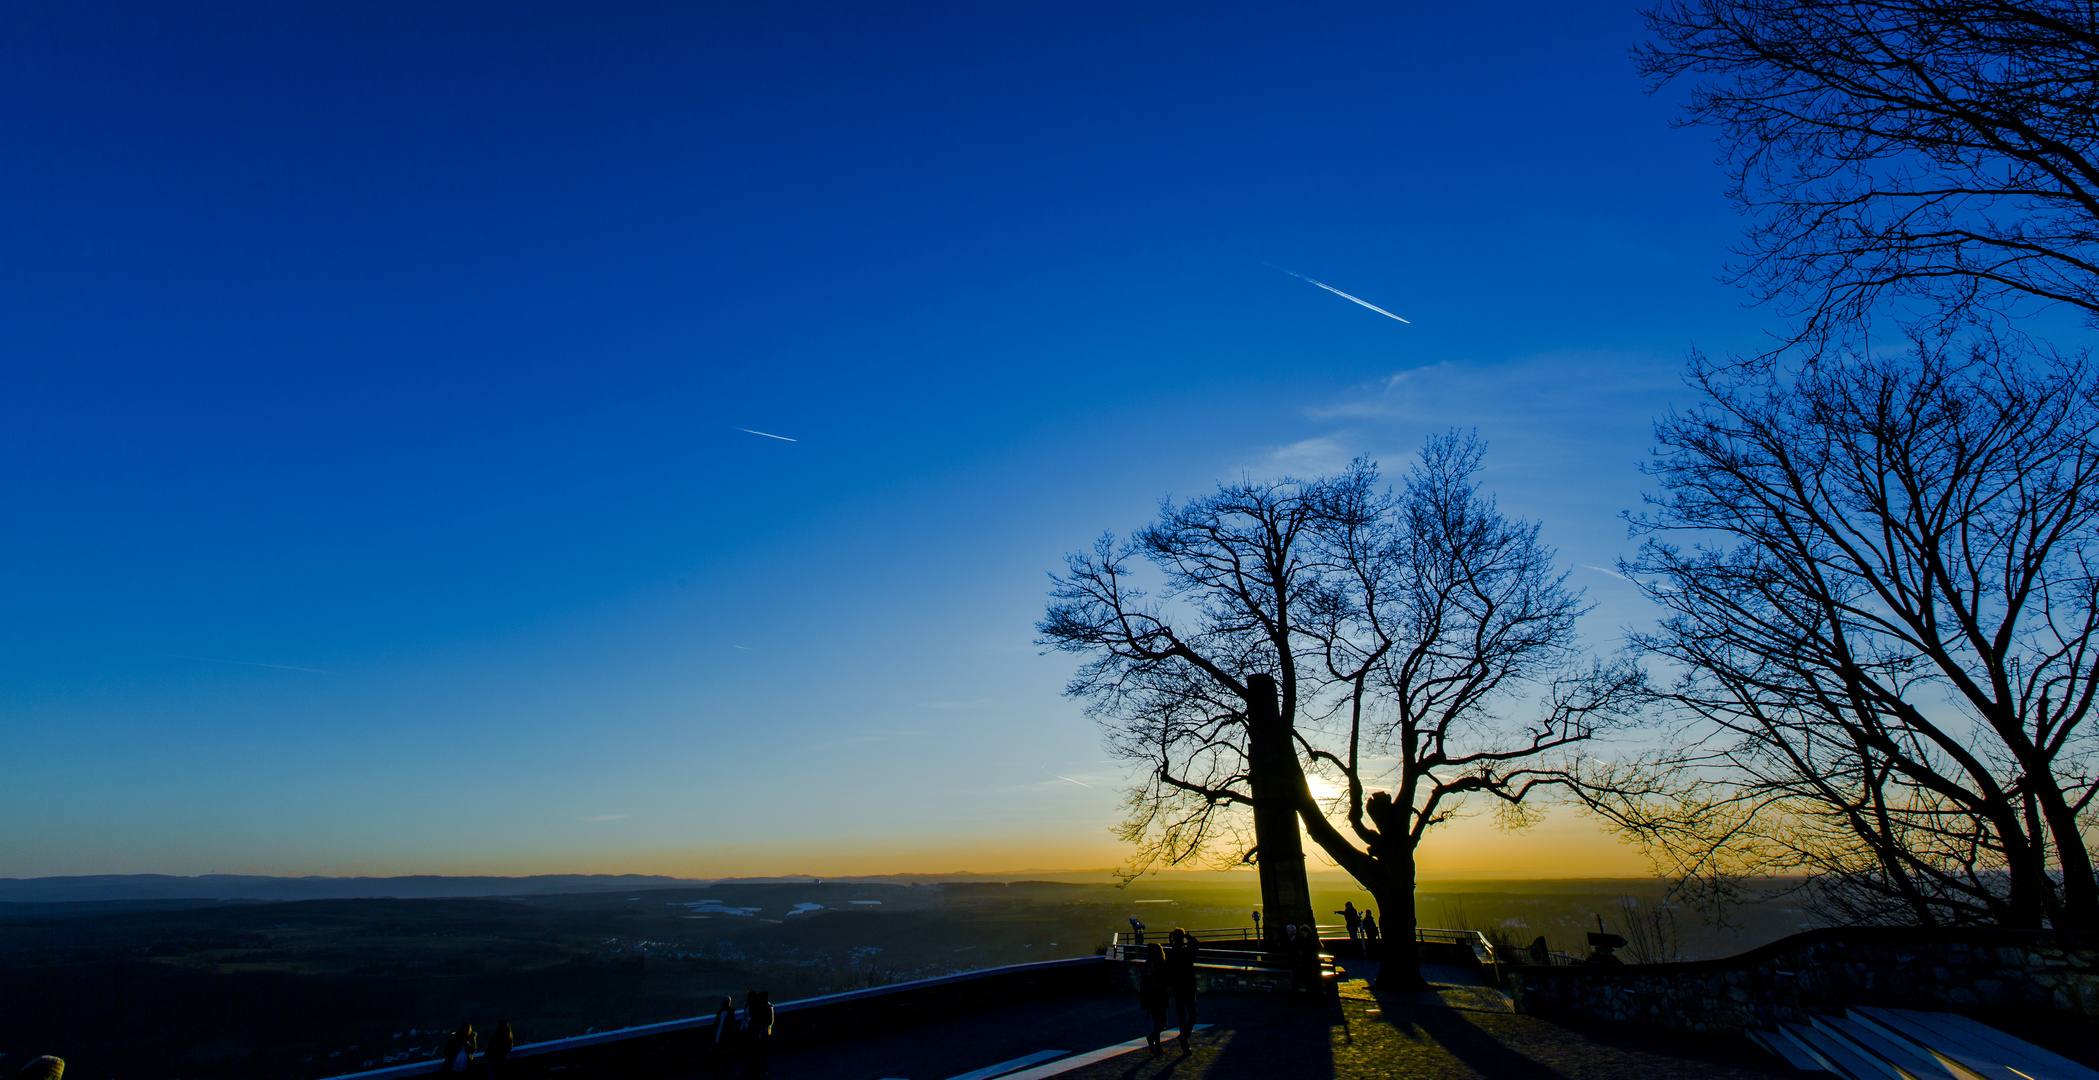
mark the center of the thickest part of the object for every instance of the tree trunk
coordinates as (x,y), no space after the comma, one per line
(2031,887)
(1286,897)
(1399,961)
(1390,879)
(2080,889)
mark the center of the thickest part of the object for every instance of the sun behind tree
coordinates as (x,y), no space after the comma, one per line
(1423,648)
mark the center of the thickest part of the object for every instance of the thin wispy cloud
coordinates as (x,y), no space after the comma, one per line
(604,817)
(1580,394)
(1604,570)
(873,737)
(767,434)
(1317,455)
(250,663)
(1343,295)
(1069,780)
(1383,399)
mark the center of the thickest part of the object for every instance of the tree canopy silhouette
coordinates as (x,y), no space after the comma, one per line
(1936,157)
(1886,624)
(1425,649)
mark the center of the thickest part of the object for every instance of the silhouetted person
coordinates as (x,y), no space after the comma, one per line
(726,1036)
(1153,982)
(757,1032)
(499,1047)
(1180,964)
(1354,921)
(1303,947)
(1370,933)
(459,1049)
(43,1068)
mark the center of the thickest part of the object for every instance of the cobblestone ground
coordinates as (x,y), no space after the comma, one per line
(1452,1035)
(1459,1032)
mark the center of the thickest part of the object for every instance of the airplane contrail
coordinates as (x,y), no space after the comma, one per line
(784,438)
(1064,778)
(1344,295)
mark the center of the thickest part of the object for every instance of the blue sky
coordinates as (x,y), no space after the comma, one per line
(374,376)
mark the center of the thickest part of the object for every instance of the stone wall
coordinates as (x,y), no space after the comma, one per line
(1976,972)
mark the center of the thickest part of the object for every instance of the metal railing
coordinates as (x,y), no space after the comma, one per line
(1127,943)
(784,1013)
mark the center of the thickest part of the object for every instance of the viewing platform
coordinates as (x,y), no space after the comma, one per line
(1237,960)
(1079,1018)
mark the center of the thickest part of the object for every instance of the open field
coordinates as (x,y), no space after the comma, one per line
(183,990)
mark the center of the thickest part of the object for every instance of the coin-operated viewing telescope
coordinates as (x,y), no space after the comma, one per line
(1602,946)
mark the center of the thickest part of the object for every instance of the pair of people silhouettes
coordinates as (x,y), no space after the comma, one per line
(459,1052)
(1168,974)
(1362,926)
(1301,952)
(749,1037)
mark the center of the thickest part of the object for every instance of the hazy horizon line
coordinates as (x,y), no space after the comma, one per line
(1109,872)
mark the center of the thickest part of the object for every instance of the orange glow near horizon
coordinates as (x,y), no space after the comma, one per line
(1563,845)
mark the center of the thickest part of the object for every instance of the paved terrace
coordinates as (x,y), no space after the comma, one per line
(1461,1031)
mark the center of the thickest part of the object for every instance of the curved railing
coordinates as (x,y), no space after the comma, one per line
(1128,942)
(831,1014)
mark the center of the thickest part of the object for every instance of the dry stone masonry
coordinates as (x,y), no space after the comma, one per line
(1967,971)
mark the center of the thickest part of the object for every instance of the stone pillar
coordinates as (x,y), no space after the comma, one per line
(1272,772)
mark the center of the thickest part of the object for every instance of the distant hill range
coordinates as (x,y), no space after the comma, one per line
(106,887)
(156,888)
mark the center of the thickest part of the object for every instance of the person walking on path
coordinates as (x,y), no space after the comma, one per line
(725,1036)
(459,1050)
(1354,921)
(1370,933)
(1183,955)
(757,1033)
(1153,982)
(499,1046)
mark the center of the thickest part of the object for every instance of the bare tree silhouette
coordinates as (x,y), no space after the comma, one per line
(1404,629)
(1887,629)
(1182,681)
(1440,617)
(1937,157)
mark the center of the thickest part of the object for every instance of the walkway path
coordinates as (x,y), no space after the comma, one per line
(1455,1033)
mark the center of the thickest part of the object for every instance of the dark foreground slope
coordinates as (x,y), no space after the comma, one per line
(321,987)
(183,990)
